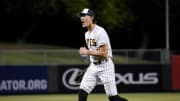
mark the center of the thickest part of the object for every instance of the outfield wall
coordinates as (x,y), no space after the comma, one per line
(42,79)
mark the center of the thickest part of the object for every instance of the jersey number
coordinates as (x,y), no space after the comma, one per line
(91,42)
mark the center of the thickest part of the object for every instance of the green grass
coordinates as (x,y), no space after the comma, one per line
(11,53)
(30,46)
(94,97)
(61,57)
(14,54)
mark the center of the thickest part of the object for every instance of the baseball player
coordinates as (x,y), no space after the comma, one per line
(101,66)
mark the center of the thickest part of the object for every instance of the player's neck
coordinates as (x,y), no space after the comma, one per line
(91,27)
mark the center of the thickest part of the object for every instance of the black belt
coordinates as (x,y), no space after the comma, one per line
(99,62)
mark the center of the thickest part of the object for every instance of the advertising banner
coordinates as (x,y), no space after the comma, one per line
(129,78)
(23,79)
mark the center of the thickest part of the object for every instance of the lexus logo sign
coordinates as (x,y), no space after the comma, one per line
(148,78)
(69,78)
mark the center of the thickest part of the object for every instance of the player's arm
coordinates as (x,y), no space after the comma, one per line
(102,51)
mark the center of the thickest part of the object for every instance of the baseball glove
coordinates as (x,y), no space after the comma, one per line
(85,58)
(80,75)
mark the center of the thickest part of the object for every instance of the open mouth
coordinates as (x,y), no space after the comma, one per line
(82,22)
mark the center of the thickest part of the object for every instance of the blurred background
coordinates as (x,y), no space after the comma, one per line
(39,42)
(131,24)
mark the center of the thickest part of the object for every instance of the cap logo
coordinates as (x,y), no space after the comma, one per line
(85,11)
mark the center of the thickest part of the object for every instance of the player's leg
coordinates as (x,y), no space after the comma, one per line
(82,96)
(107,76)
(87,84)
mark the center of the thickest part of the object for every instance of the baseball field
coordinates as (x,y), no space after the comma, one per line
(14,58)
(94,97)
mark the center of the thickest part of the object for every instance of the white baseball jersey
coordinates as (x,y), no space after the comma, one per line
(104,71)
(95,39)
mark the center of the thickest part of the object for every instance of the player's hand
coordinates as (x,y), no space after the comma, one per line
(83,51)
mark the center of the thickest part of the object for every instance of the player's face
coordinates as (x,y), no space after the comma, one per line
(86,20)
